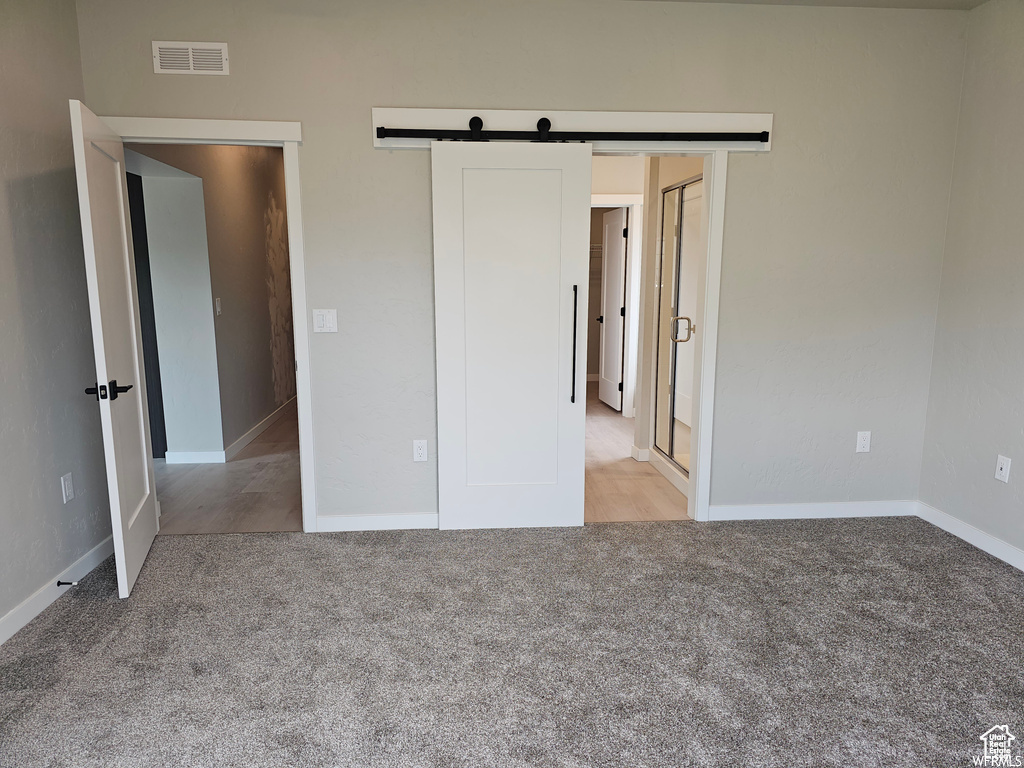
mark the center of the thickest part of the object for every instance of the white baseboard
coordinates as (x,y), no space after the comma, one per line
(640,454)
(36,603)
(194,457)
(593,377)
(335,523)
(828,509)
(235,448)
(670,472)
(984,541)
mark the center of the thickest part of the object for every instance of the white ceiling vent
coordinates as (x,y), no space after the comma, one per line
(177,58)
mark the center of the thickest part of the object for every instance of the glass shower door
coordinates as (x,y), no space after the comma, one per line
(680,252)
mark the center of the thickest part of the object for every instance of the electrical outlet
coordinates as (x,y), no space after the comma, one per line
(863,442)
(419,450)
(1003,469)
(67,487)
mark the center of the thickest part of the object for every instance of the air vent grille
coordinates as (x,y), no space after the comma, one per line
(177,58)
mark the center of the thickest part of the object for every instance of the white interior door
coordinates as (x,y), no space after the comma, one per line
(613,307)
(692,247)
(113,309)
(511,243)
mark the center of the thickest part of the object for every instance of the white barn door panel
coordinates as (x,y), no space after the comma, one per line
(511,243)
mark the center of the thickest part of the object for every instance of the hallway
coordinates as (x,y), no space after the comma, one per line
(618,488)
(257,491)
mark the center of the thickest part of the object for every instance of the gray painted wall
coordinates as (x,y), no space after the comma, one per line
(976,410)
(246,232)
(48,426)
(833,241)
(183,307)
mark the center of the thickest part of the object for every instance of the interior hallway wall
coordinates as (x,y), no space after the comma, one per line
(833,241)
(48,426)
(182,305)
(247,235)
(976,409)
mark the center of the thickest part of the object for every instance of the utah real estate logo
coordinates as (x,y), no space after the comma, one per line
(998,750)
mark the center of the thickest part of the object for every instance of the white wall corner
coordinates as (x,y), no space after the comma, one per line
(983,541)
(640,454)
(40,600)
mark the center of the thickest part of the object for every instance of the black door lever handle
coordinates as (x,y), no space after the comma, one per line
(600,319)
(99,392)
(116,390)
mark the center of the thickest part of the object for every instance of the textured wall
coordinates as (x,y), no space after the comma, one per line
(48,426)
(247,235)
(976,410)
(833,240)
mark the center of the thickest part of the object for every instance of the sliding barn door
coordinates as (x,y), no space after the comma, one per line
(511,242)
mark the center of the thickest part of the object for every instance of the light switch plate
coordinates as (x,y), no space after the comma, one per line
(217,304)
(325,321)
(1003,469)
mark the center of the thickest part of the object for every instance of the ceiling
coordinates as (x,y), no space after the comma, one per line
(949,5)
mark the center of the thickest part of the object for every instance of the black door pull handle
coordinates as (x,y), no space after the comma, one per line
(99,392)
(600,319)
(116,390)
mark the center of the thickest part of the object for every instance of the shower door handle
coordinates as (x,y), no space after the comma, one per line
(690,328)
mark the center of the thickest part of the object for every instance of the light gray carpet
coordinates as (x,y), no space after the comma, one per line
(831,643)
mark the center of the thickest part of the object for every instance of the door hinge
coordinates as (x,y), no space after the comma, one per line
(625,231)
(622,311)
(620,386)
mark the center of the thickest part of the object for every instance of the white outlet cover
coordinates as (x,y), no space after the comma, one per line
(863,442)
(419,450)
(67,487)
(1003,469)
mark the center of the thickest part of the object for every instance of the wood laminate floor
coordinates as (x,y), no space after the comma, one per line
(619,488)
(257,491)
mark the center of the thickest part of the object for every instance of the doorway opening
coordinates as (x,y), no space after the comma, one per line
(210,235)
(647,259)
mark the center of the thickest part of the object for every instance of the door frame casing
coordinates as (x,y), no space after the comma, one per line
(288,136)
(716,164)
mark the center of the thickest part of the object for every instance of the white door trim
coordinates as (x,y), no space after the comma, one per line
(288,136)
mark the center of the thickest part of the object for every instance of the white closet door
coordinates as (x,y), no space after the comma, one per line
(613,307)
(511,243)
